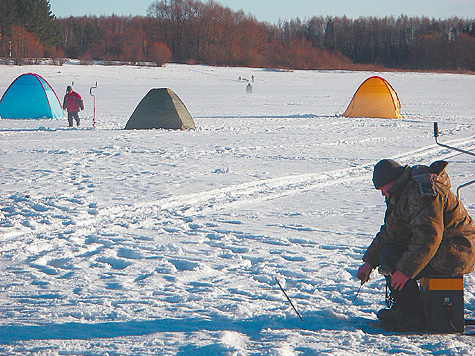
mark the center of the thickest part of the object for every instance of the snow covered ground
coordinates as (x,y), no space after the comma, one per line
(158,242)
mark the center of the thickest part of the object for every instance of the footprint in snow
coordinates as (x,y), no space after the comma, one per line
(115,263)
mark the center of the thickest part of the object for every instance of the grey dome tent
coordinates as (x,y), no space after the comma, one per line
(160,109)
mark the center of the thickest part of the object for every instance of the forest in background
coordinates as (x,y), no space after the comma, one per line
(190,31)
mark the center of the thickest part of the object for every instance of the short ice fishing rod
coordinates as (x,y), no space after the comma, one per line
(358,291)
(384,270)
(290,301)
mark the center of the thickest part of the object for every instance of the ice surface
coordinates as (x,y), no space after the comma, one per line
(161,242)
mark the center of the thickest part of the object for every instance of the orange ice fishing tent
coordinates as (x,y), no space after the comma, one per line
(374,98)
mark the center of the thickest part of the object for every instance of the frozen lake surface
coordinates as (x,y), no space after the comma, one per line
(162,242)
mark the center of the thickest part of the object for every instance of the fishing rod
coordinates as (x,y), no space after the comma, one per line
(290,301)
(358,291)
(436,135)
(385,271)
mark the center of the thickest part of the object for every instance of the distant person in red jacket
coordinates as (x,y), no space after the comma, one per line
(72,103)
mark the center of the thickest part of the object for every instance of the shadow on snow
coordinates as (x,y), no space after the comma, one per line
(250,327)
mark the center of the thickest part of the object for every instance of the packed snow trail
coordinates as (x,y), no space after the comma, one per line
(205,201)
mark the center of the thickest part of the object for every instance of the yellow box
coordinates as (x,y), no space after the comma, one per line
(442,283)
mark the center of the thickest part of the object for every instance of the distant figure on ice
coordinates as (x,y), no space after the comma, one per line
(426,231)
(249,88)
(72,103)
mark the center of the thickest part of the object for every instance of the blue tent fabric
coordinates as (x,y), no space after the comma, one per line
(30,97)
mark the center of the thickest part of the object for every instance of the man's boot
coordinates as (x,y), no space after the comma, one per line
(388,313)
(408,312)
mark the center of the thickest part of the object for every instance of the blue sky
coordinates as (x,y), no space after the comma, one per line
(273,10)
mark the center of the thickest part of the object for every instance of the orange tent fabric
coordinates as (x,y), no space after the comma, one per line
(374,98)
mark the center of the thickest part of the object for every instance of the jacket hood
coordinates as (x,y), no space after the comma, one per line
(430,175)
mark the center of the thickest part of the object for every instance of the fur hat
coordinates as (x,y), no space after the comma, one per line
(386,171)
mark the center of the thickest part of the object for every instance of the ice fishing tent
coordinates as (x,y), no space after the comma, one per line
(160,109)
(30,97)
(374,98)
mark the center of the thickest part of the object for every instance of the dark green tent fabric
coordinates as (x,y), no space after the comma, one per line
(160,109)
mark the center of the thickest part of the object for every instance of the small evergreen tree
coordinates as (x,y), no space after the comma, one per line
(7,19)
(35,19)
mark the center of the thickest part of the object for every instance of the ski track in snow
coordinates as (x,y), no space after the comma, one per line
(42,218)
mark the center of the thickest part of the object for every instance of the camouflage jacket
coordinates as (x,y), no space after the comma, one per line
(426,217)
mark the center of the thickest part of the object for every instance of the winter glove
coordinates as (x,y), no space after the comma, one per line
(364,272)
(398,280)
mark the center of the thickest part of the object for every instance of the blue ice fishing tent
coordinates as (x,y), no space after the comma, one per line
(30,97)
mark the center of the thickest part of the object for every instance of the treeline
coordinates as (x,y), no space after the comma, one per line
(187,31)
(190,31)
(402,42)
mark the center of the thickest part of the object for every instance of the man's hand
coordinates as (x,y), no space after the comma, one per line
(364,272)
(398,280)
